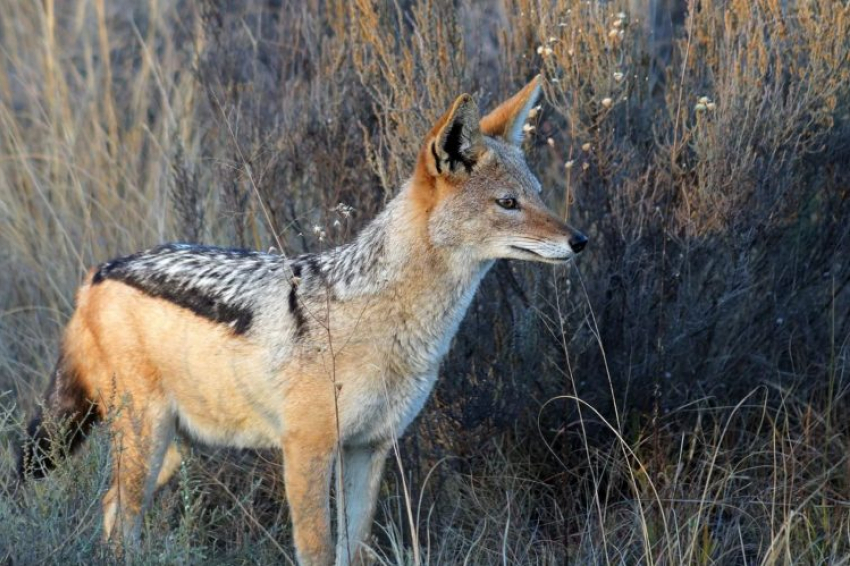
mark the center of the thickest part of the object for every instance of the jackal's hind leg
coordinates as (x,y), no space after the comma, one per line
(362,468)
(170,464)
(139,444)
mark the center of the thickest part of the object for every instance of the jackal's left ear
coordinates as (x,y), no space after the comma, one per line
(507,120)
(455,143)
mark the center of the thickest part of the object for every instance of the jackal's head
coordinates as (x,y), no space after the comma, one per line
(479,194)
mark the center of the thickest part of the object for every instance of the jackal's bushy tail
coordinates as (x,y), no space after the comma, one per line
(60,426)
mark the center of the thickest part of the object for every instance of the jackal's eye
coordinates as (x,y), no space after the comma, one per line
(507,203)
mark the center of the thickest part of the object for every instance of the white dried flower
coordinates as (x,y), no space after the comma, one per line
(571,52)
(533,112)
(700,107)
(344,209)
(540,50)
(622,15)
(569,164)
(317,229)
(550,142)
(585,147)
(618,23)
(585,166)
(607,102)
(703,100)
(613,34)
(618,76)
(621,34)
(711,106)
(553,39)
(528,128)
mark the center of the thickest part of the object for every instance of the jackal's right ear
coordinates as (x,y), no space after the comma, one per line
(507,120)
(455,143)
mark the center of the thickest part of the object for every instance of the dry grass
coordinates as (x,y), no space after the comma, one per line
(677,397)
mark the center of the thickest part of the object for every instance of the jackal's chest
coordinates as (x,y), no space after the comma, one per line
(393,369)
(379,408)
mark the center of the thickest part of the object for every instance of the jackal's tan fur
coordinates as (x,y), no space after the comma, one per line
(327,356)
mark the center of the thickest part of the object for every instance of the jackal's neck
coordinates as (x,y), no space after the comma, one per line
(394,253)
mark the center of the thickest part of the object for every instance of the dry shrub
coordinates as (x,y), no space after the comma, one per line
(717,225)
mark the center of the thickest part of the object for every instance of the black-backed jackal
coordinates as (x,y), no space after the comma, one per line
(326,356)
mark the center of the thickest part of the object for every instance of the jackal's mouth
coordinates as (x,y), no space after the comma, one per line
(543,257)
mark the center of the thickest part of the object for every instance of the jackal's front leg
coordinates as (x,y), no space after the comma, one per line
(307,465)
(359,472)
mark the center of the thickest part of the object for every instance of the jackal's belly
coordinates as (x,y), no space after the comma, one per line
(230,400)
(230,413)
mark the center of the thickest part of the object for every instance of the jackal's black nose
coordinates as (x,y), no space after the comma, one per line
(578,241)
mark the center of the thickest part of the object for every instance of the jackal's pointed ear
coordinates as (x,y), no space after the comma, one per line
(455,143)
(507,120)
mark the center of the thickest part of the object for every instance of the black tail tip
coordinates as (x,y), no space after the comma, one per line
(59,426)
(47,442)
(35,450)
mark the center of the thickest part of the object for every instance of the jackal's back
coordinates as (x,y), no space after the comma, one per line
(220,284)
